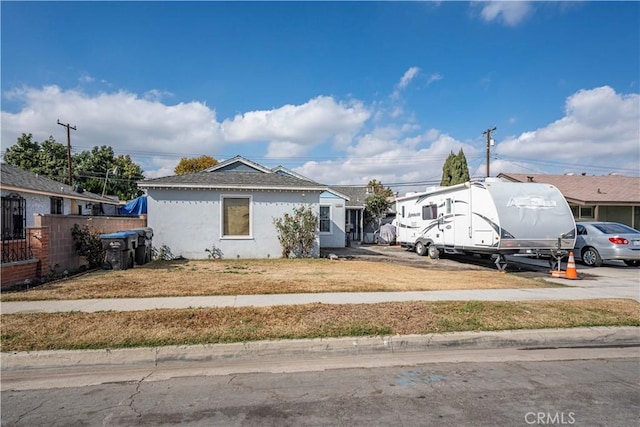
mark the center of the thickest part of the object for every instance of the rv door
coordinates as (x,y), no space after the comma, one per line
(448,229)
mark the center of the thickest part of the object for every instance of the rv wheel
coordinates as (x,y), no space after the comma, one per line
(421,249)
(434,253)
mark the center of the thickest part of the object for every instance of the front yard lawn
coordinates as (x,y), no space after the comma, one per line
(53,331)
(277,276)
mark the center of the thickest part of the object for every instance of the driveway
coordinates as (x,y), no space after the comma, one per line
(611,274)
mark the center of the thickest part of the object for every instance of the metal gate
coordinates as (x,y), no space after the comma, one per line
(15,242)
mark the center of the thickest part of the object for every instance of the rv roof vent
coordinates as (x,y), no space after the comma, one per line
(432,188)
(492,179)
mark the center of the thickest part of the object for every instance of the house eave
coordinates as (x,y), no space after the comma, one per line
(229,187)
(74,196)
(573,200)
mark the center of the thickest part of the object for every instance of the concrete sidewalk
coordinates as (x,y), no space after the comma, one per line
(135,304)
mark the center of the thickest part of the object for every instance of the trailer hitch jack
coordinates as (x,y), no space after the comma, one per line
(501,263)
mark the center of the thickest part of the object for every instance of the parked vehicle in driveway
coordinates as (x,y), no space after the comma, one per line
(601,241)
(489,218)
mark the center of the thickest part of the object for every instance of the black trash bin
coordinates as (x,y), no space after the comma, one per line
(120,248)
(143,248)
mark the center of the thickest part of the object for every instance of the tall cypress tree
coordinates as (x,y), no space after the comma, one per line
(455,169)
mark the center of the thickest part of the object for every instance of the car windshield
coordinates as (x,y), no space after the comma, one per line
(614,228)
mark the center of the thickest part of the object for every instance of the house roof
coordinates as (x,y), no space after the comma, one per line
(288,172)
(583,189)
(238,164)
(234,174)
(356,194)
(15,179)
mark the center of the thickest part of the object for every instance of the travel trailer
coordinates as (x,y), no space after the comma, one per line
(490,218)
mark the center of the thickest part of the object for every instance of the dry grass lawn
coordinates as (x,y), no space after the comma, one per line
(30,332)
(250,277)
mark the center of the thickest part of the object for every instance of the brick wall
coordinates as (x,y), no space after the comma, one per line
(17,272)
(62,254)
(37,267)
(53,247)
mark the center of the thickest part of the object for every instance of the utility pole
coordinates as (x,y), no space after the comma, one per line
(69,127)
(488,133)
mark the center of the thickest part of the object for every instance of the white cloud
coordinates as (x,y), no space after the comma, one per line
(406,78)
(435,77)
(86,78)
(294,129)
(391,155)
(146,128)
(121,120)
(511,13)
(600,128)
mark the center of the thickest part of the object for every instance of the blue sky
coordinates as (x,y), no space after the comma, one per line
(340,92)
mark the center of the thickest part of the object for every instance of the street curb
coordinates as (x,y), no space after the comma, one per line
(158,356)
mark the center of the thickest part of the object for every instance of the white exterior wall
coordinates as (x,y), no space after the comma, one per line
(39,204)
(189,221)
(336,237)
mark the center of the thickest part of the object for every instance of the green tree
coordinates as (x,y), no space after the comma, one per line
(455,169)
(53,160)
(99,170)
(91,169)
(24,154)
(194,164)
(297,232)
(377,203)
(47,159)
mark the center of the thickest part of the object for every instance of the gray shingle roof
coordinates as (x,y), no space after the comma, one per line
(231,180)
(609,189)
(15,179)
(357,194)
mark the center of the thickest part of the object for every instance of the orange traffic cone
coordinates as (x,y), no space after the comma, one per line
(572,273)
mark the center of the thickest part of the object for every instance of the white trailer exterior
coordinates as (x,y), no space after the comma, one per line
(491,217)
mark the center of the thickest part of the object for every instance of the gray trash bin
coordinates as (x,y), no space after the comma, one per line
(143,248)
(120,248)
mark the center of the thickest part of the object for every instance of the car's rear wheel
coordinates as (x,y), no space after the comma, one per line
(421,249)
(632,263)
(591,257)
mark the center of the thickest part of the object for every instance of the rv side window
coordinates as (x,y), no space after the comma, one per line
(403,212)
(447,206)
(429,212)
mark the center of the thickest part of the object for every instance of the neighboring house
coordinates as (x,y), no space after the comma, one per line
(229,207)
(37,217)
(354,212)
(594,198)
(25,194)
(333,222)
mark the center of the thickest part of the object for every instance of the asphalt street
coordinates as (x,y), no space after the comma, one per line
(498,387)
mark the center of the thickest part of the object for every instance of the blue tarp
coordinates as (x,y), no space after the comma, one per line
(120,235)
(137,206)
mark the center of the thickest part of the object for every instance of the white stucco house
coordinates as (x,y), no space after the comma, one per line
(229,207)
(25,194)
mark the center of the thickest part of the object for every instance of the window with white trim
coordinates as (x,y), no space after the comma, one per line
(325,219)
(236,216)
